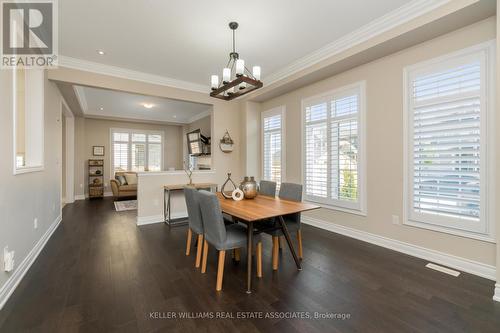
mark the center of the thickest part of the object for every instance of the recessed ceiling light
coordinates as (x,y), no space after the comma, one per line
(101,108)
(101,52)
(175,116)
(148,105)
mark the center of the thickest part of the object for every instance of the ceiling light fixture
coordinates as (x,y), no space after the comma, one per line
(148,105)
(243,82)
(101,108)
(101,52)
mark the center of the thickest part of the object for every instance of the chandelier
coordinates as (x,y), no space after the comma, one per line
(243,80)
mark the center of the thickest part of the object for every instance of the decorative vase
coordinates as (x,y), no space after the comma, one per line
(249,187)
(228,194)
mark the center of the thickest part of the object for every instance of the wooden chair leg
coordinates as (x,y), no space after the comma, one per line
(275,252)
(220,270)
(259,259)
(205,255)
(188,242)
(198,251)
(237,255)
(299,239)
(280,242)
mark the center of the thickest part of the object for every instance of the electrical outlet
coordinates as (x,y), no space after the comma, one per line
(35,223)
(395,219)
(8,259)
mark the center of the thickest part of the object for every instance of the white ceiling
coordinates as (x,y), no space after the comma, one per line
(188,40)
(121,105)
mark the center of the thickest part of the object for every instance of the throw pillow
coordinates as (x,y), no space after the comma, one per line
(121,179)
(131,178)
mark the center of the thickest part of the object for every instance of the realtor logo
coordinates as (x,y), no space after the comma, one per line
(29,34)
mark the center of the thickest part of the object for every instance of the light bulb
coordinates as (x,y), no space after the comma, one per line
(226,75)
(215,81)
(256,72)
(240,67)
(230,90)
(242,85)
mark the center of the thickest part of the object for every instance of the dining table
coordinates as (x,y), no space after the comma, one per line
(263,208)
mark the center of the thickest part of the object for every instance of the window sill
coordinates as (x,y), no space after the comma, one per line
(455,232)
(18,171)
(340,209)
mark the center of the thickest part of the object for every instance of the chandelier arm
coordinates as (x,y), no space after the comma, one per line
(250,74)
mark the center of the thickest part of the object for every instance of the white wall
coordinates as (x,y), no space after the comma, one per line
(27,196)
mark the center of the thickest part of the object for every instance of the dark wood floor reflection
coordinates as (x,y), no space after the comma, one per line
(101,273)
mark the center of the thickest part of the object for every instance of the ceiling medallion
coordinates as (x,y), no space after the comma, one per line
(241,83)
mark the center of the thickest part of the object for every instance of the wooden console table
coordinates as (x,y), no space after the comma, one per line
(168,189)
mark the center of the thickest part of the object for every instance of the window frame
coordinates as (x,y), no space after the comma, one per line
(280,110)
(129,146)
(485,53)
(360,207)
(37,166)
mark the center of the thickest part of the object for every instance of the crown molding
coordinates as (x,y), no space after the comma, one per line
(80,96)
(199,116)
(130,74)
(373,29)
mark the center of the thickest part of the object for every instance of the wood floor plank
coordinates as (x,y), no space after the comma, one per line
(101,273)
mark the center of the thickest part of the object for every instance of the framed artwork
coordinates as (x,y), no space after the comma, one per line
(98,150)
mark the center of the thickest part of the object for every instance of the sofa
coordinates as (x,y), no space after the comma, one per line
(124,190)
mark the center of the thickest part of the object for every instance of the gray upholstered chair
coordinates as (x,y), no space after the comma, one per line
(222,237)
(195,222)
(268,188)
(292,192)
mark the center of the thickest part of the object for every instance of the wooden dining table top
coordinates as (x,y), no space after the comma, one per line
(262,207)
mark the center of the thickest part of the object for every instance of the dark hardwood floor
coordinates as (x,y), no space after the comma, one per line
(101,273)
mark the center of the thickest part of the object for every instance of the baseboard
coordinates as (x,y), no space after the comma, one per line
(496,296)
(85,196)
(13,281)
(80,197)
(143,220)
(462,264)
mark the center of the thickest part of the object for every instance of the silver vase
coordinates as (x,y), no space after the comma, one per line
(249,187)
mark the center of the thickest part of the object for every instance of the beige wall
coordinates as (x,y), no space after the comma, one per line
(497,162)
(96,132)
(384,96)
(24,197)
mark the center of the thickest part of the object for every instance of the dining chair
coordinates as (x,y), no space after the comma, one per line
(268,188)
(222,237)
(292,192)
(195,222)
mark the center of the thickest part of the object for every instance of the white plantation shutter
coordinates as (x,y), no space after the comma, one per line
(272,145)
(154,152)
(331,148)
(446,106)
(136,151)
(120,151)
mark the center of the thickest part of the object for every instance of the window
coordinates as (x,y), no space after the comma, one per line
(447,104)
(28,102)
(136,150)
(333,153)
(273,145)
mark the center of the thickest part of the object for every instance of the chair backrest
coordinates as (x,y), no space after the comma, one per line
(268,188)
(213,222)
(292,192)
(194,211)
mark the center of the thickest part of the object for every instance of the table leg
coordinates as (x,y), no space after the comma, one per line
(165,205)
(289,241)
(249,257)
